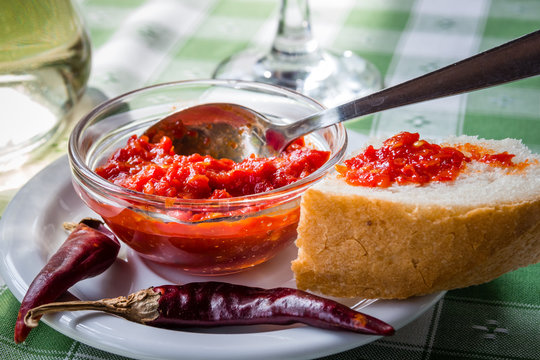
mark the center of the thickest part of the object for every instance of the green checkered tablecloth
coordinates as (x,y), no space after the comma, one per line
(138,42)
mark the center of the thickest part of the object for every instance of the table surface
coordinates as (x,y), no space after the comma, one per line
(185,39)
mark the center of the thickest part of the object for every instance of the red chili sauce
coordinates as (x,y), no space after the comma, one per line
(155,169)
(243,239)
(405,159)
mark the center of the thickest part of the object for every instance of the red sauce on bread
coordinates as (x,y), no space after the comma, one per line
(406,159)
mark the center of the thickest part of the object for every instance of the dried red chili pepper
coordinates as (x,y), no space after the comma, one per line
(88,251)
(205,304)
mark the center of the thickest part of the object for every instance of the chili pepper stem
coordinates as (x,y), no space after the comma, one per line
(141,307)
(93,223)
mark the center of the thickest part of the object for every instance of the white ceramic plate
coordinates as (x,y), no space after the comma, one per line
(31,231)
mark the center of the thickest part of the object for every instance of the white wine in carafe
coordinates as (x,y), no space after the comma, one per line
(44,66)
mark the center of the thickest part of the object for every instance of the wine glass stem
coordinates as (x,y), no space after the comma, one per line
(294,37)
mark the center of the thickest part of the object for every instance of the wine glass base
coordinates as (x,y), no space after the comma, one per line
(332,79)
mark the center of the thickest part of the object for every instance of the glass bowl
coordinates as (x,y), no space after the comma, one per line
(242,231)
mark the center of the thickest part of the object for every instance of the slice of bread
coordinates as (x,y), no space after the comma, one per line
(406,240)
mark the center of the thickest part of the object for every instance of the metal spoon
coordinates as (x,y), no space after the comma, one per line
(234,131)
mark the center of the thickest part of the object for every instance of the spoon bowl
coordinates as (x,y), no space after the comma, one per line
(221,130)
(235,132)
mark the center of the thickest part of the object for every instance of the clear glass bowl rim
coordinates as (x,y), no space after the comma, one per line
(90,179)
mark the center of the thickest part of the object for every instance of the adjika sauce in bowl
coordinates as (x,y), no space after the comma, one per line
(202,215)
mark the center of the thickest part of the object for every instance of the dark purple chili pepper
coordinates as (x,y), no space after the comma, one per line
(205,304)
(89,250)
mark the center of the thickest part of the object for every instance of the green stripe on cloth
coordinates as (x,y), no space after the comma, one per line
(412,342)
(128,4)
(503,315)
(404,5)
(448,25)
(497,332)
(515,9)
(498,126)
(365,39)
(517,287)
(103,16)
(43,343)
(38,342)
(530,83)
(383,61)
(510,28)
(374,33)
(361,125)
(511,19)
(375,46)
(367,18)
(248,9)
(510,110)
(209,49)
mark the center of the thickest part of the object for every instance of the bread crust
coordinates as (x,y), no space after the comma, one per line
(361,246)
